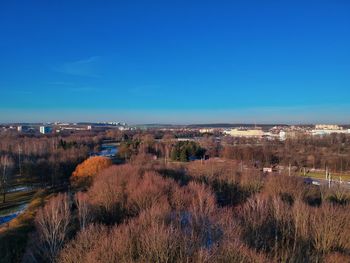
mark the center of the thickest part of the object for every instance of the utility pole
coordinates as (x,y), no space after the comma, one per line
(19,160)
(289,168)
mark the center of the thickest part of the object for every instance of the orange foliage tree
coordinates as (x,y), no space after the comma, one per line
(92,166)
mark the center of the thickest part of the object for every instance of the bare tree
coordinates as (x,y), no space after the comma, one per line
(84,213)
(52,226)
(6,164)
(19,160)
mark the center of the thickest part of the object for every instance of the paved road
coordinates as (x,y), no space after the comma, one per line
(326,182)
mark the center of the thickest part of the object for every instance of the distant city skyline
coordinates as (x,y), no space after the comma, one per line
(178,62)
(267,116)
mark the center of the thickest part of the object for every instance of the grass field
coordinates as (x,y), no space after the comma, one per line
(14,234)
(322,175)
(15,199)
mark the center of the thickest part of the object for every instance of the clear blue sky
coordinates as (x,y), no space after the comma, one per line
(175,61)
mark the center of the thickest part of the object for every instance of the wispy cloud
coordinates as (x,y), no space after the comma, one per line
(86,67)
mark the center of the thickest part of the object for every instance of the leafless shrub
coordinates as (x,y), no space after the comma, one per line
(267,226)
(150,188)
(236,252)
(159,212)
(252,181)
(256,210)
(283,230)
(79,249)
(337,194)
(301,214)
(211,170)
(181,198)
(107,194)
(160,243)
(288,188)
(203,201)
(143,160)
(336,258)
(330,228)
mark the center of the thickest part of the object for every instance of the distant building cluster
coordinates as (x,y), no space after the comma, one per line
(279,132)
(62,127)
(322,129)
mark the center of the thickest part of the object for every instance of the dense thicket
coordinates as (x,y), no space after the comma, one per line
(210,211)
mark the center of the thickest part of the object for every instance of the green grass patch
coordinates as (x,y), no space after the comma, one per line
(16,198)
(334,176)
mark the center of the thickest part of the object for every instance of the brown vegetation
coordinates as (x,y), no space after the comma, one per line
(137,214)
(217,210)
(92,166)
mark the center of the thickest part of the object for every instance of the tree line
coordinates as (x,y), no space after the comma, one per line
(313,152)
(41,161)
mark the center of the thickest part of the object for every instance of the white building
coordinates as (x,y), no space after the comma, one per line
(45,129)
(282,135)
(206,130)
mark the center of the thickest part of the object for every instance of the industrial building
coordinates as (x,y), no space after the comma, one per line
(241,132)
